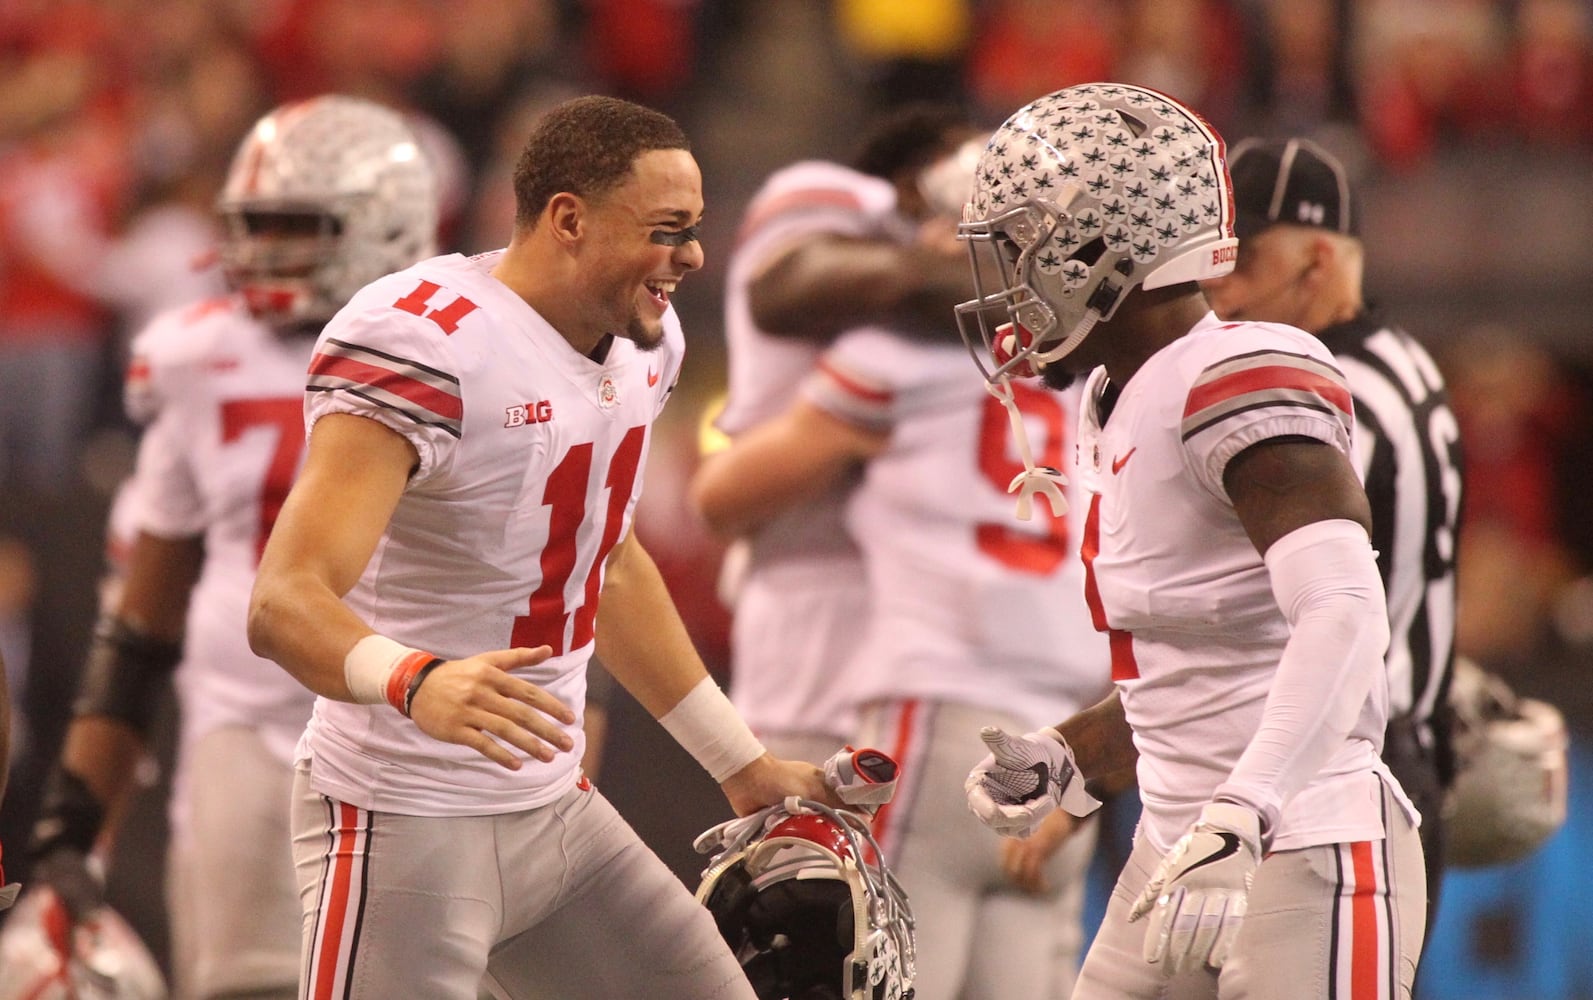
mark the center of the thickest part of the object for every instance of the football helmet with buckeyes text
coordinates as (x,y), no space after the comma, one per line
(803,897)
(324,196)
(1080,197)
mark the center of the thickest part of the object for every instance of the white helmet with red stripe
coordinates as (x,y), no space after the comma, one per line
(1080,197)
(324,196)
(805,902)
(801,893)
(45,956)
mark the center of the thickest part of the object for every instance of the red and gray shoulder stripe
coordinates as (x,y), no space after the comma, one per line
(423,394)
(1266,380)
(799,201)
(851,396)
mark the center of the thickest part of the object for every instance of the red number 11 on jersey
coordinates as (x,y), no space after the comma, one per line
(547,612)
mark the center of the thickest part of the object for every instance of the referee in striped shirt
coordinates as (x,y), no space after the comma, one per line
(1300,262)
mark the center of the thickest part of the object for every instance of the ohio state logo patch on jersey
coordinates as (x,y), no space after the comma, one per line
(607,393)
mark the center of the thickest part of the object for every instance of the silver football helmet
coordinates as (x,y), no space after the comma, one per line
(1510,793)
(803,897)
(1080,197)
(324,196)
(44,956)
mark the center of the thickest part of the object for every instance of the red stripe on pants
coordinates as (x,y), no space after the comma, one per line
(337,903)
(1363,908)
(898,751)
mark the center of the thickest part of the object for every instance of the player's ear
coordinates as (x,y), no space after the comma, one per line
(565,216)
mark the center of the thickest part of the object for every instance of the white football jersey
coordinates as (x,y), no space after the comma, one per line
(531,459)
(970,604)
(1195,631)
(800,599)
(222,396)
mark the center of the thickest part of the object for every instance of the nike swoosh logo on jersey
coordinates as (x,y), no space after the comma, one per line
(652,377)
(1230,847)
(1118,463)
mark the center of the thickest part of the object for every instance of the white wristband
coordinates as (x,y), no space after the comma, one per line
(379,669)
(711,730)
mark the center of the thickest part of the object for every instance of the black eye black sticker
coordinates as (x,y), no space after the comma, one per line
(665,238)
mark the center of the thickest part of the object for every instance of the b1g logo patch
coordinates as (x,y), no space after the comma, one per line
(607,393)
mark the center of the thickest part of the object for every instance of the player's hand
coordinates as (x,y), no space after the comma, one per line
(71,875)
(476,702)
(1023,779)
(1024,860)
(60,845)
(769,780)
(1198,895)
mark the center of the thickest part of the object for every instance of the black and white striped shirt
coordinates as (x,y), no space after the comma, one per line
(1407,450)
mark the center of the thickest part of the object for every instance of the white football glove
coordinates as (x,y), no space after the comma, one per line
(1023,779)
(1198,895)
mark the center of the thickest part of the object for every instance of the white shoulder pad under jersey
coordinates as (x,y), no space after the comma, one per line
(531,459)
(173,348)
(970,604)
(803,200)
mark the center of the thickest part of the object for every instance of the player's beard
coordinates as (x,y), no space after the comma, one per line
(1056,377)
(645,338)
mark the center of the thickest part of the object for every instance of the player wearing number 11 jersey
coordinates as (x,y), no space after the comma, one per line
(323,196)
(478,433)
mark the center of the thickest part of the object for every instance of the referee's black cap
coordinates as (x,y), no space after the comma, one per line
(1291,181)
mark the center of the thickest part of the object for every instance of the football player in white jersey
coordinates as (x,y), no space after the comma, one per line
(478,433)
(972,620)
(1227,558)
(822,247)
(1300,262)
(323,196)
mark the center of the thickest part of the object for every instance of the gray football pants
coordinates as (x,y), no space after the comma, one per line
(1335,922)
(559,901)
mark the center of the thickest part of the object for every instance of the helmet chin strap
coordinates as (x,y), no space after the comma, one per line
(1034,479)
(1037,479)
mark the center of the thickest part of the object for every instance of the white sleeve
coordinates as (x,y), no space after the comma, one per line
(380,363)
(1325,578)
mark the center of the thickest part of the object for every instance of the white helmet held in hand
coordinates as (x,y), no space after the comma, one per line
(805,902)
(1080,197)
(44,956)
(324,196)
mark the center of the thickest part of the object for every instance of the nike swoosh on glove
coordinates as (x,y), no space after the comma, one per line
(1198,895)
(1023,779)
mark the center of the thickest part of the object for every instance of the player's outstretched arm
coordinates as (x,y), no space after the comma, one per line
(830,282)
(644,644)
(777,465)
(137,645)
(353,476)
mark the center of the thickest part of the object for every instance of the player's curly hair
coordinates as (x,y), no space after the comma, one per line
(909,138)
(586,146)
